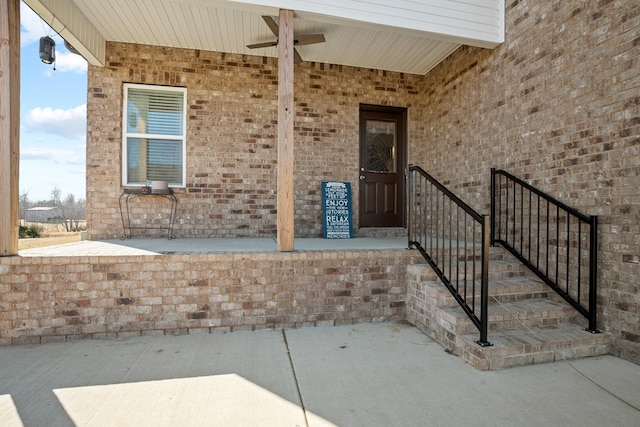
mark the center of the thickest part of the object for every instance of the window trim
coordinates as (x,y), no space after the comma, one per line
(126,135)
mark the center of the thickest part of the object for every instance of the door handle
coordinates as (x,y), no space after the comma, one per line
(361,177)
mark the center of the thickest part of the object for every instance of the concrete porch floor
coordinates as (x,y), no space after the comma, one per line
(154,246)
(387,374)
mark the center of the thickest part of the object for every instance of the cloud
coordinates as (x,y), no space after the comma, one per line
(60,157)
(70,62)
(33,27)
(70,123)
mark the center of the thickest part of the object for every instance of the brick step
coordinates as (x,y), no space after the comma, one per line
(503,290)
(498,269)
(504,268)
(528,322)
(495,253)
(509,315)
(538,344)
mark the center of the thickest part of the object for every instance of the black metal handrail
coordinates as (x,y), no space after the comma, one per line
(556,242)
(452,238)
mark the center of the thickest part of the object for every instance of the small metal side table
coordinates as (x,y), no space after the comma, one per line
(130,193)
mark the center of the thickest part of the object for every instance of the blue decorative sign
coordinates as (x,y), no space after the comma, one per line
(336,210)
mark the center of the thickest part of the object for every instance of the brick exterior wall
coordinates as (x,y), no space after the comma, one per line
(557,104)
(232,136)
(62,298)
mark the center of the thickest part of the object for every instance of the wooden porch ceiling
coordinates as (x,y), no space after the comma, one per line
(396,35)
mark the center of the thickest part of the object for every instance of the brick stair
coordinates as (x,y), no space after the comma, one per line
(528,322)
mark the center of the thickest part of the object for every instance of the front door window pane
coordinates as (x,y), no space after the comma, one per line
(381,146)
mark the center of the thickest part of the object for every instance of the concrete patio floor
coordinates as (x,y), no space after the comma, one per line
(154,246)
(387,374)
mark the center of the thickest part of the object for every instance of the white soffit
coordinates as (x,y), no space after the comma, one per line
(473,22)
(394,35)
(73,26)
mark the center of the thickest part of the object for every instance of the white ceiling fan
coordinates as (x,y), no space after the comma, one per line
(297,40)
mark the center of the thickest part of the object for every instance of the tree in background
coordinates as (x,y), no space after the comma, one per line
(71,211)
(74,212)
(24,204)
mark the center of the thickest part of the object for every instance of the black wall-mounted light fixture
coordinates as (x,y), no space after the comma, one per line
(47,50)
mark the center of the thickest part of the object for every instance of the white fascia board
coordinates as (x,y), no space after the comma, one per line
(68,21)
(474,22)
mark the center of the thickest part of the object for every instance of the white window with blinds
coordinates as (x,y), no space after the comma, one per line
(154,135)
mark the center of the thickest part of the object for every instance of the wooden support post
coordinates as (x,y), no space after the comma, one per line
(285,132)
(9,124)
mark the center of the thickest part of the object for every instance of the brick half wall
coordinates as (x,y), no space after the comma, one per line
(62,298)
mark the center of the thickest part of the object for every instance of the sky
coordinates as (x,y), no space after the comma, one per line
(53,107)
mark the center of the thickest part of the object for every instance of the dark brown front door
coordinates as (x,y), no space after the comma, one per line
(382,162)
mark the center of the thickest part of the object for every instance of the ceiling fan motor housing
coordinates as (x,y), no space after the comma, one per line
(299,40)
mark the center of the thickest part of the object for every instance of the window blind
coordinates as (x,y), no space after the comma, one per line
(155,135)
(155,112)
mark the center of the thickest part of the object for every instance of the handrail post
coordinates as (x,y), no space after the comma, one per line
(409,205)
(493,205)
(593,274)
(484,285)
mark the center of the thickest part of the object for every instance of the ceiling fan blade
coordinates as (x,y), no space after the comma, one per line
(271,23)
(297,59)
(308,39)
(261,45)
